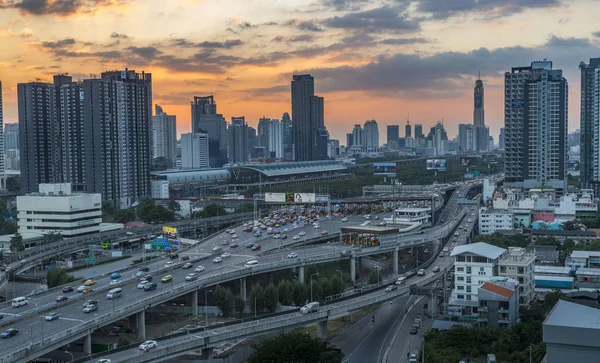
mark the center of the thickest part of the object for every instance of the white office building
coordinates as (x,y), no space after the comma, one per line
(493,220)
(54,209)
(474,265)
(194,151)
(275,137)
(518,264)
(159,189)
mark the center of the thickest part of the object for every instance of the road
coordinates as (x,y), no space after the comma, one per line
(406,343)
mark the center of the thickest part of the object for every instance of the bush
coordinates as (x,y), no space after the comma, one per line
(58,276)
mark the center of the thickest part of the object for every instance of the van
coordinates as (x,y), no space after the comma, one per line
(251,263)
(19,301)
(309,308)
(114,293)
(401,281)
(421,272)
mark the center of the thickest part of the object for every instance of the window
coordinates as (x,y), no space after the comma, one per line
(460,278)
(460,269)
(503,269)
(460,287)
(468,279)
(460,297)
(469,270)
(469,297)
(468,288)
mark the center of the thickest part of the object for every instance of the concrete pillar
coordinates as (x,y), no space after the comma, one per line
(141,324)
(87,344)
(353,268)
(243,289)
(194,302)
(322,329)
(395,264)
(207,353)
(301,274)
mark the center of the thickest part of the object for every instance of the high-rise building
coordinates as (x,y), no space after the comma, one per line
(275,139)
(262,133)
(501,139)
(478,100)
(333,148)
(349,140)
(482,135)
(308,118)
(205,119)
(393,134)
(419,131)
(2,146)
(11,136)
(371,135)
(536,121)
(251,131)
(288,137)
(590,125)
(407,130)
(194,150)
(466,137)
(357,136)
(238,140)
(164,135)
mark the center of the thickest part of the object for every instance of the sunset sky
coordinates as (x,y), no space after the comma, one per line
(371,59)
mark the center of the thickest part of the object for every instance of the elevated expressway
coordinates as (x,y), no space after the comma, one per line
(74,324)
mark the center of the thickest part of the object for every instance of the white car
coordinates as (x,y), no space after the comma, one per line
(216,248)
(316,226)
(344,219)
(148,344)
(293,255)
(140,273)
(225,255)
(115,282)
(277,236)
(217,260)
(199,269)
(169,264)
(232,231)
(81,288)
(234,236)
(104,360)
(142,284)
(296,237)
(191,277)
(302,234)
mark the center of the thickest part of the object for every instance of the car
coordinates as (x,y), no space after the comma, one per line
(324,233)
(292,255)
(167,278)
(104,360)
(89,282)
(277,236)
(90,308)
(256,247)
(142,284)
(233,245)
(375,267)
(115,276)
(436,269)
(51,316)
(302,234)
(187,265)
(148,344)
(139,273)
(217,260)
(316,226)
(185,258)
(216,248)
(225,255)
(232,231)
(413,331)
(391,288)
(344,219)
(376,217)
(191,277)
(284,236)
(67,289)
(445,249)
(199,269)
(169,264)
(150,286)
(9,333)
(257,234)
(147,278)
(225,243)
(144,269)
(413,358)
(115,282)
(90,302)
(61,298)
(296,237)
(234,236)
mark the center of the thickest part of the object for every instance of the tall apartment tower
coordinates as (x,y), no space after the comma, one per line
(393,135)
(358,136)
(535,122)
(590,125)
(11,136)
(275,139)
(205,119)
(238,140)
(164,135)
(407,129)
(371,134)
(466,137)
(288,137)
(308,120)
(478,100)
(2,174)
(262,133)
(194,150)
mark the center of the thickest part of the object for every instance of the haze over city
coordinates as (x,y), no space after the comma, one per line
(382,60)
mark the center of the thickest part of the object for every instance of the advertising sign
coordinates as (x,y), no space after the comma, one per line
(467,161)
(304,198)
(275,197)
(170,231)
(385,169)
(436,164)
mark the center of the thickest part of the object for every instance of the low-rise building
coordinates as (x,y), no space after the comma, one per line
(498,303)
(492,220)
(54,209)
(518,264)
(579,259)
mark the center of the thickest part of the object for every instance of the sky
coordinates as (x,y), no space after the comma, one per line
(388,60)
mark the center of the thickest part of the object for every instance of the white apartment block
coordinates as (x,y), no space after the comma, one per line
(474,265)
(159,189)
(194,151)
(54,209)
(518,264)
(492,220)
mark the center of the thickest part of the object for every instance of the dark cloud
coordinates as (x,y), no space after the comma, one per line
(295,38)
(496,8)
(145,52)
(376,20)
(309,25)
(119,36)
(57,7)
(596,34)
(339,5)
(230,43)
(59,43)
(555,41)
(403,41)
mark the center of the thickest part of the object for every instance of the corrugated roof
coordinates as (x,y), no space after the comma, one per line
(497,289)
(568,314)
(481,249)
(278,169)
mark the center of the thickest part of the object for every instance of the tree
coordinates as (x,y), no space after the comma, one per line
(16,243)
(337,285)
(7,227)
(271,298)
(52,237)
(257,298)
(308,272)
(211,210)
(13,184)
(285,292)
(240,306)
(58,276)
(224,299)
(299,293)
(569,226)
(173,206)
(374,276)
(294,347)
(145,210)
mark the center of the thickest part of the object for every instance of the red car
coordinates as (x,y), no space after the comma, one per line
(324,233)
(255,247)
(185,258)
(61,298)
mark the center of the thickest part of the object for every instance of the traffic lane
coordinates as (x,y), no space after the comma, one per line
(404,342)
(362,342)
(109,268)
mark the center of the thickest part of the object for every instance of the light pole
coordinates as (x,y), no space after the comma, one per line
(72,357)
(206,305)
(311,276)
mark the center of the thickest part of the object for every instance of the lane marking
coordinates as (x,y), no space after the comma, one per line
(71,319)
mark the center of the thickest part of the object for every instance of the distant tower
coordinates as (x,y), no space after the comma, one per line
(407,129)
(478,113)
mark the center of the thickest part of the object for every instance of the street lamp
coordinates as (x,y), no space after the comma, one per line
(311,276)
(206,305)
(72,357)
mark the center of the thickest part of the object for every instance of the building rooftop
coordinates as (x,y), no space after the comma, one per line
(413,210)
(585,271)
(552,270)
(553,278)
(191,176)
(584,254)
(517,256)
(497,289)
(305,167)
(571,315)
(480,248)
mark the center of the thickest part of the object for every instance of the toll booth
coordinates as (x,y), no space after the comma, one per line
(365,236)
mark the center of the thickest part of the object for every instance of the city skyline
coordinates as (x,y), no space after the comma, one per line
(387,55)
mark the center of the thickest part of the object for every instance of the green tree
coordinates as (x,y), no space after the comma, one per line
(337,285)
(13,184)
(309,271)
(240,306)
(299,293)
(257,298)
(7,227)
(285,292)
(52,237)
(373,277)
(16,243)
(145,210)
(317,290)
(569,226)
(211,210)
(271,298)
(294,347)
(173,206)
(224,299)
(58,276)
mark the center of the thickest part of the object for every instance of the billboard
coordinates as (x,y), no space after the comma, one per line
(467,161)
(436,164)
(275,197)
(169,231)
(385,169)
(300,198)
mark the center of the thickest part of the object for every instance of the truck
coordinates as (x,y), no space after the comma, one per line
(310,308)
